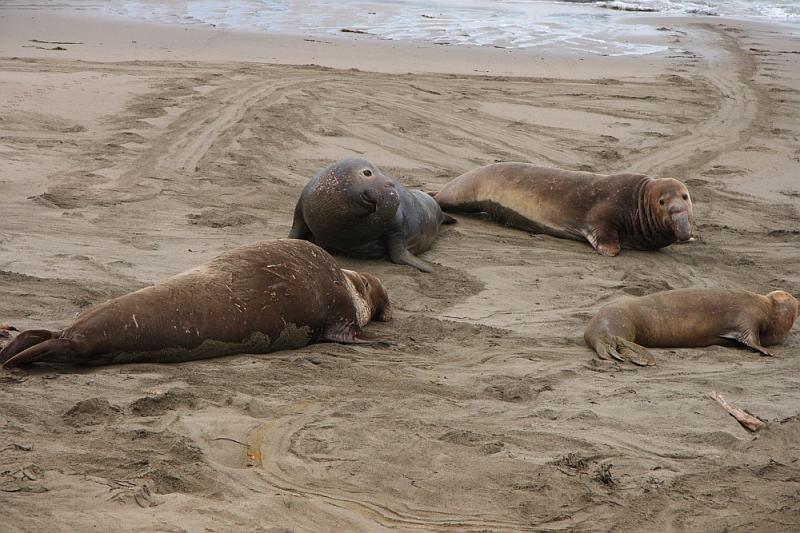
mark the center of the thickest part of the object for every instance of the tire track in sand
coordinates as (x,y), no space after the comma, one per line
(732,122)
(188,138)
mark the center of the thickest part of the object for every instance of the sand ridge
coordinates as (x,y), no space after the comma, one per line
(485,412)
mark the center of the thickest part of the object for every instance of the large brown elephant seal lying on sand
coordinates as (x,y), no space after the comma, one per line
(353,208)
(610,211)
(690,317)
(267,296)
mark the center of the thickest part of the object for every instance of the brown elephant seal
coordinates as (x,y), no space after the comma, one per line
(687,318)
(354,209)
(610,211)
(267,296)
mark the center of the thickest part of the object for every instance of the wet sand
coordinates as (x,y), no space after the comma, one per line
(143,152)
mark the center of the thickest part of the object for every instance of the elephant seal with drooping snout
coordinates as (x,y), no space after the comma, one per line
(354,209)
(688,318)
(610,211)
(267,296)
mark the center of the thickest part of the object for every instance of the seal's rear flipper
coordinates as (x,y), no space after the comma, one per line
(448,219)
(42,350)
(432,194)
(638,355)
(25,340)
(623,350)
(747,338)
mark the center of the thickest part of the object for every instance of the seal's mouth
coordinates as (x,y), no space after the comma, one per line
(681,225)
(369,200)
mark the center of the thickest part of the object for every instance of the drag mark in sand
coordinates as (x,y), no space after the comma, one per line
(271,449)
(738,105)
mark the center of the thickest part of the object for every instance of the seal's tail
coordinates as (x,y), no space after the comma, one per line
(30,346)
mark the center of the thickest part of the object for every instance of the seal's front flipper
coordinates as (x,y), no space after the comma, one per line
(447,219)
(408,258)
(605,244)
(349,334)
(399,254)
(747,338)
(299,228)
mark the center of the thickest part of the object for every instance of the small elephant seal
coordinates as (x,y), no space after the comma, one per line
(354,209)
(260,298)
(688,318)
(610,211)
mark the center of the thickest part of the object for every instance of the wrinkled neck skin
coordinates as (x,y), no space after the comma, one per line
(643,228)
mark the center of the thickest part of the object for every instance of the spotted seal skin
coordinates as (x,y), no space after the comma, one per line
(690,318)
(259,298)
(609,211)
(354,209)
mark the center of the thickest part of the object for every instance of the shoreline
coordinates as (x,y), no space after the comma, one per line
(106,38)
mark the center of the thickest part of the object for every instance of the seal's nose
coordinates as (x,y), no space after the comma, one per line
(682,224)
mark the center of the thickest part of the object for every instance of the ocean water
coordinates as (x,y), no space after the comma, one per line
(607,27)
(784,11)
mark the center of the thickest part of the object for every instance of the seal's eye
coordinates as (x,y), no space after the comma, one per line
(685,196)
(367,172)
(366,284)
(661,201)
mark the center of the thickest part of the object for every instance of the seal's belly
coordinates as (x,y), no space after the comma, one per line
(256,343)
(681,327)
(520,215)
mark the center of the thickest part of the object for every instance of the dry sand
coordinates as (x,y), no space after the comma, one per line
(120,166)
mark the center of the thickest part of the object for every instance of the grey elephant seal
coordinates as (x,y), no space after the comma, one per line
(267,296)
(690,317)
(354,209)
(610,211)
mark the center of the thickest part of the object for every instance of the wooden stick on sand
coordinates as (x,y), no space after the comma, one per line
(750,422)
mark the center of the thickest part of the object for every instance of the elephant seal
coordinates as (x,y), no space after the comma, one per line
(610,211)
(354,209)
(690,317)
(267,296)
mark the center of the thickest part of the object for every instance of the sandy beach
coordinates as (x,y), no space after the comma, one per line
(141,150)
